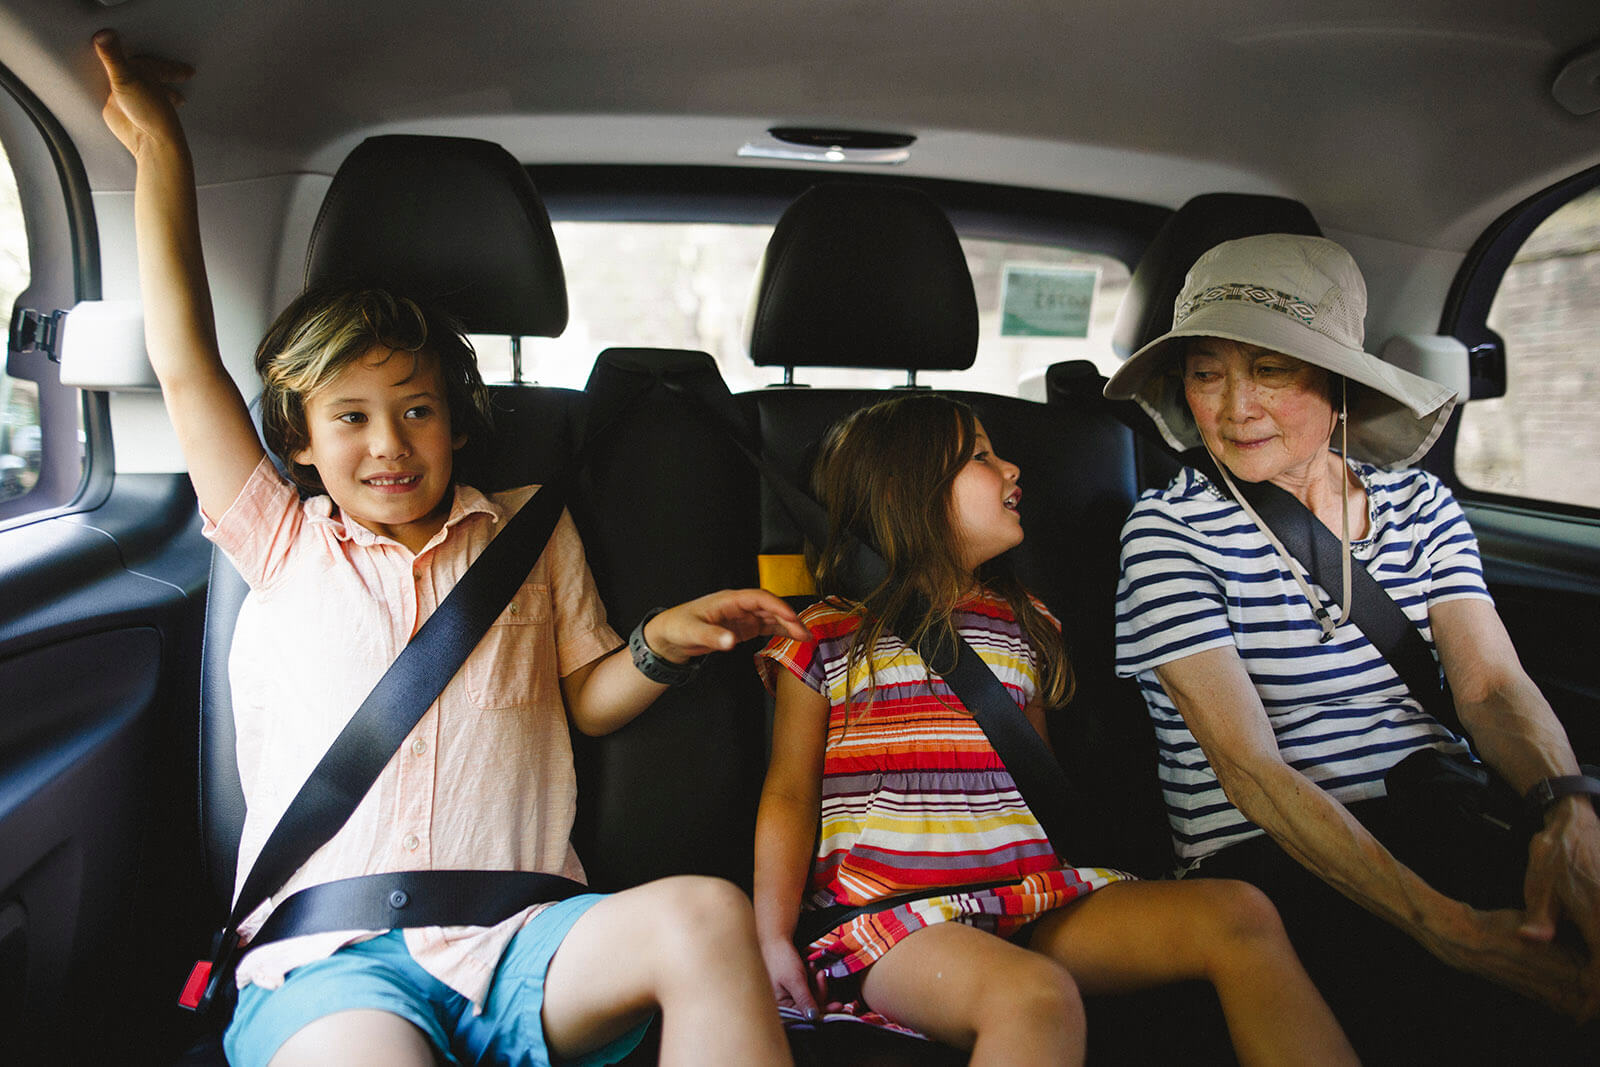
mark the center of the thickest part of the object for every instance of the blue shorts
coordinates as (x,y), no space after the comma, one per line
(381,975)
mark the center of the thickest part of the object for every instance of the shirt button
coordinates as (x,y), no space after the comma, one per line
(410,842)
(419,746)
(514,609)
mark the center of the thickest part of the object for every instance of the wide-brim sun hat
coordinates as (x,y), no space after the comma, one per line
(1304,297)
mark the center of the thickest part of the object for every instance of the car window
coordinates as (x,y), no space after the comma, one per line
(688,285)
(1541,440)
(20,442)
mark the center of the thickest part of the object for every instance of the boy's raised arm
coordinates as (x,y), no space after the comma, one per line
(213,424)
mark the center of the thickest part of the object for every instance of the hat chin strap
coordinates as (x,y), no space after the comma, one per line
(1318,608)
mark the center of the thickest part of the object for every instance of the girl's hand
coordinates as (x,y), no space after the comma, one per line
(791,983)
(718,621)
(142,108)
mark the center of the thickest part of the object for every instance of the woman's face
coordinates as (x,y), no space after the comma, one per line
(1267,416)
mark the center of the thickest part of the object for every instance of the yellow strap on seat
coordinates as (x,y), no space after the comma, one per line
(785,575)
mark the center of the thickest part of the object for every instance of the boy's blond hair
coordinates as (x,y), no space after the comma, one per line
(325,330)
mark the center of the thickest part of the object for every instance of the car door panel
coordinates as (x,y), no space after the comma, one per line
(1544,572)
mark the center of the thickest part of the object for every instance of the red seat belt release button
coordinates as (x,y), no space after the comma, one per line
(195,987)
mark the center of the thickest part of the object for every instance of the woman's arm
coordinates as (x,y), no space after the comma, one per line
(608,693)
(1514,730)
(213,425)
(786,832)
(1220,705)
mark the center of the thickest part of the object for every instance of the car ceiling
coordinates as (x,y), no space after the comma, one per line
(1412,122)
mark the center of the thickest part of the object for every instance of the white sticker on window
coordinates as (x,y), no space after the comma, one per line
(1047,301)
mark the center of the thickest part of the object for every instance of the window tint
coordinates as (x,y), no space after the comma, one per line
(688,285)
(1542,440)
(20,441)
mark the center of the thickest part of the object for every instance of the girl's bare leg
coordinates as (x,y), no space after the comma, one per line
(1132,935)
(356,1037)
(685,945)
(973,990)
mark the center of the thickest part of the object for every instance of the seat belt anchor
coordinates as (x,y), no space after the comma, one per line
(207,976)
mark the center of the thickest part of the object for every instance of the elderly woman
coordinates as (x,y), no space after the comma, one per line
(1277,719)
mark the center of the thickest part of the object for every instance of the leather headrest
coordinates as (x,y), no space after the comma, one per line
(453,221)
(861,275)
(1197,226)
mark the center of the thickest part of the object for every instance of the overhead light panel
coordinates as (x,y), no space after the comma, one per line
(810,144)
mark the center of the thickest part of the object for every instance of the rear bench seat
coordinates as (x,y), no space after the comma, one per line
(669,509)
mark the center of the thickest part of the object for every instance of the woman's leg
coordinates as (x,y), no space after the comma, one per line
(973,990)
(685,945)
(1132,935)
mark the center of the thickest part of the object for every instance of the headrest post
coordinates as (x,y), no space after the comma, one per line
(911,378)
(788,376)
(516,359)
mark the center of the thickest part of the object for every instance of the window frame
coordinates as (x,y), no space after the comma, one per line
(1466,317)
(63,254)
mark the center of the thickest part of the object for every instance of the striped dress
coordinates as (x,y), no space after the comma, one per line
(913,795)
(1197,574)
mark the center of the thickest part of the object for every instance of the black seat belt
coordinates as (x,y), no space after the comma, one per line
(364,747)
(356,758)
(1303,535)
(1372,609)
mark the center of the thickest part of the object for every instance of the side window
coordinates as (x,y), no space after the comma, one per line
(48,261)
(1541,440)
(20,440)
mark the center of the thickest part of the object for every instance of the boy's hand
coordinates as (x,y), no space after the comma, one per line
(141,110)
(719,621)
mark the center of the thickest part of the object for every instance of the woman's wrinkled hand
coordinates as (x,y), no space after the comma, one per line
(1492,944)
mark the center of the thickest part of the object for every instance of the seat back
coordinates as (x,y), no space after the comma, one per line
(459,223)
(667,514)
(1078,474)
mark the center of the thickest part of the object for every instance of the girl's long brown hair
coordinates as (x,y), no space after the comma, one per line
(885,475)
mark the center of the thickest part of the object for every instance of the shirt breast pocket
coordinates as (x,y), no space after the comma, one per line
(518,646)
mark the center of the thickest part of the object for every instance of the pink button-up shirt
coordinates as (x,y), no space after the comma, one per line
(485,780)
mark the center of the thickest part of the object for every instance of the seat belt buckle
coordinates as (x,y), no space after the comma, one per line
(207,976)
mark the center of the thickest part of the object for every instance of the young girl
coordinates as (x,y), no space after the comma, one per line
(913,798)
(367,397)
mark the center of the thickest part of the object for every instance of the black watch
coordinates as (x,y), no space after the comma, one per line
(653,666)
(1547,791)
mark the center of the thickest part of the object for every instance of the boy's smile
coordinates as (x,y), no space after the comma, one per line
(382,445)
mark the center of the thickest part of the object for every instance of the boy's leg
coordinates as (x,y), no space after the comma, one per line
(685,945)
(971,989)
(355,1037)
(1132,935)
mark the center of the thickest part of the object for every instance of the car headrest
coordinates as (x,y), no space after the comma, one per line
(1197,226)
(450,220)
(860,275)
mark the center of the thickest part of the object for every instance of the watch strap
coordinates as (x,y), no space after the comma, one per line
(653,666)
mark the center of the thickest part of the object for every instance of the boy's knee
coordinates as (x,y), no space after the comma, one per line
(704,911)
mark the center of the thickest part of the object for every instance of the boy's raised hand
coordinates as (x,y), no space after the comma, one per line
(719,621)
(141,109)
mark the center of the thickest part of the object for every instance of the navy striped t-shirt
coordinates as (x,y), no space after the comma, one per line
(1197,574)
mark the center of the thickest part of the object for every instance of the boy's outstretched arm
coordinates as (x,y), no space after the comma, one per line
(213,424)
(605,695)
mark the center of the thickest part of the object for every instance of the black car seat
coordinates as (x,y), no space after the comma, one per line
(1199,224)
(883,263)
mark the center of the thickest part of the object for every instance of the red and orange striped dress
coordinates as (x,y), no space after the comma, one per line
(913,795)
